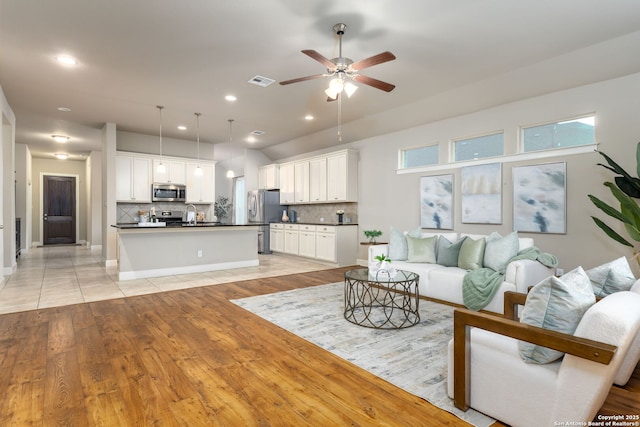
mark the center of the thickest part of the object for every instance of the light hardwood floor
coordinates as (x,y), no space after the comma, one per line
(189,357)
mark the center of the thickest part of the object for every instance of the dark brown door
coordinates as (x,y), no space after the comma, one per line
(59,207)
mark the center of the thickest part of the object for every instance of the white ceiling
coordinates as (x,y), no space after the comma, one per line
(453,56)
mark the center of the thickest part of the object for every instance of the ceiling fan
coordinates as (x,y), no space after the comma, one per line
(344,69)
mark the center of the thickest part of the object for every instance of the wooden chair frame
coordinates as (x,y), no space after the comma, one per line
(464,319)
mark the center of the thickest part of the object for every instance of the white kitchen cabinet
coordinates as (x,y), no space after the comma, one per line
(175,171)
(287,183)
(326,246)
(269,177)
(133,179)
(301,182)
(291,239)
(318,180)
(307,245)
(201,188)
(276,237)
(342,177)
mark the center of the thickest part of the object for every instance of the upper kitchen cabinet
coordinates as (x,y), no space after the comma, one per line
(287,184)
(342,176)
(301,181)
(201,188)
(318,180)
(133,178)
(175,171)
(269,177)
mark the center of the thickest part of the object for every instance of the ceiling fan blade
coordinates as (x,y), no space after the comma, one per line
(378,84)
(321,59)
(302,79)
(374,60)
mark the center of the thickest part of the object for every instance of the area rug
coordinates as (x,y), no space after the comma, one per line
(414,359)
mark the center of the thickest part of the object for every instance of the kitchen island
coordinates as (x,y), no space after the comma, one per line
(152,251)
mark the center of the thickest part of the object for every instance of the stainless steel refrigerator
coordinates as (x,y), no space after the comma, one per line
(263,207)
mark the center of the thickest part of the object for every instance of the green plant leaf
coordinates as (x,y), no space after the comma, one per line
(638,159)
(631,185)
(624,199)
(634,228)
(611,233)
(609,210)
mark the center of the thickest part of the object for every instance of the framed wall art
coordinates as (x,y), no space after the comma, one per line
(481,194)
(436,202)
(539,198)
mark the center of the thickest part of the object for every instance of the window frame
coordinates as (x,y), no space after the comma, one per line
(403,151)
(454,141)
(521,138)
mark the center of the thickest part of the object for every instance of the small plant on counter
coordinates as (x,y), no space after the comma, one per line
(372,234)
(221,208)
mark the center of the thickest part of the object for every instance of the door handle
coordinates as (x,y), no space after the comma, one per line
(45,217)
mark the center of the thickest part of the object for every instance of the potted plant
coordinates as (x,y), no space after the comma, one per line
(221,208)
(626,189)
(381,268)
(372,234)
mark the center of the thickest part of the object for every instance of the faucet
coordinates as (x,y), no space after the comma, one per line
(194,220)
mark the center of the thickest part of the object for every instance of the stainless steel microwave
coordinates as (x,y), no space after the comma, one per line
(161,192)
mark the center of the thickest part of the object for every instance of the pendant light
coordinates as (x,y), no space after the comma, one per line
(198,171)
(160,168)
(230,173)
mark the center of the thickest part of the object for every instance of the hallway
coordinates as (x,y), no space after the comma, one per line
(64,275)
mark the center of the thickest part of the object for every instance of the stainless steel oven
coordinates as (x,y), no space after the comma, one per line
(168,192)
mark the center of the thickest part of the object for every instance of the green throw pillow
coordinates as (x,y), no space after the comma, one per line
(398,250)
(614,276)
(422,250)
(499,250)
(448,252)
(471,253)
(558,304)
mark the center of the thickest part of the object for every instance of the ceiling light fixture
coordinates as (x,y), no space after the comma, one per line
(64,109)
(308,117)
(230,98)
(182,127)
(230,173)
(62,156)
(66,60)
(160,168)
(60,138)
(198,170)
(337,85)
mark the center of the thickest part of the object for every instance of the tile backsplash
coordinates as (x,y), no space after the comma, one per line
(314,213)
(128,212)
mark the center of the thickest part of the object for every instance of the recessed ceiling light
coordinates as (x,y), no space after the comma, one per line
(182,127)
(60,138)
(230,98)
(257,132)
(251,138)
(66,60)
(309,117)
(64,109)
(62,156)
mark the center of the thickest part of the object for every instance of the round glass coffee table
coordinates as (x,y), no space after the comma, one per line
(379,301)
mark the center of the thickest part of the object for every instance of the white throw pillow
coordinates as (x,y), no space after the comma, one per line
(614,276)
(558,304)
(398,250)
(499,250)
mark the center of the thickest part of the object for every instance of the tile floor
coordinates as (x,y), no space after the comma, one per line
(57,276)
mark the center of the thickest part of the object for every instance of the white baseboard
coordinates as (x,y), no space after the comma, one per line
(172,271)
(362,262)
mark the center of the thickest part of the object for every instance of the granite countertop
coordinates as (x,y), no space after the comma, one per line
(134,225)
(317,223)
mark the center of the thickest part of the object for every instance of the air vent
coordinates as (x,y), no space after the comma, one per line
(261,81)
(257,132)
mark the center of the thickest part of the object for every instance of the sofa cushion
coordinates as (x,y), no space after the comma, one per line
(614,276)
(447,253)
(471,253)
(556,304)
(499,250)
(421,250)
(398,250)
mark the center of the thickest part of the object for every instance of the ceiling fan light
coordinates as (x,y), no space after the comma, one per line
(350,89)
(331,93)
(336,85)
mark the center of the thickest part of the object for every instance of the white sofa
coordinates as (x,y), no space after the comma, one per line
(445,283)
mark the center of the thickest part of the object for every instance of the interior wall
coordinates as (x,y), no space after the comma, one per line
(94,206)
(7,192)
(65,168)
(387,198)
(23,195)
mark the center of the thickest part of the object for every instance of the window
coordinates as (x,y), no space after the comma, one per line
(569,133)
(479,147)
(421,156)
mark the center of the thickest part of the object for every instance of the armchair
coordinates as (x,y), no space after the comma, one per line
(487,373)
